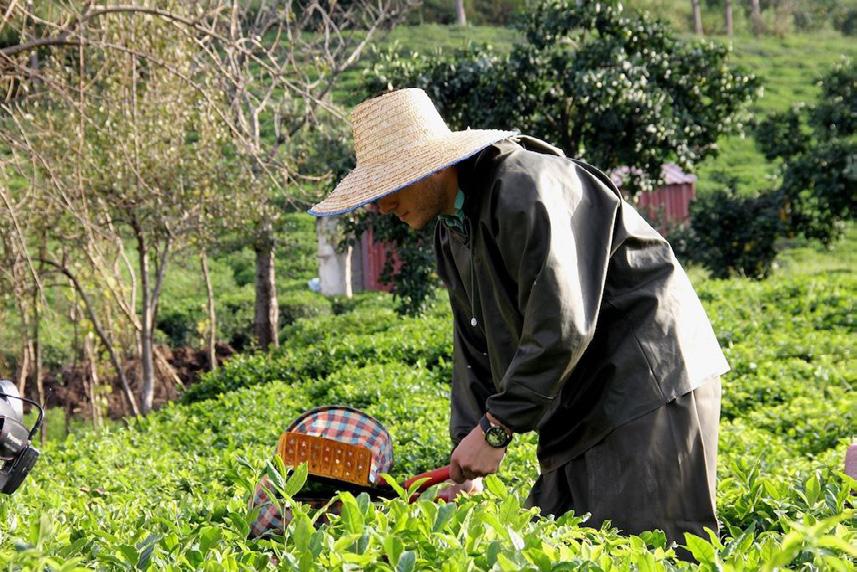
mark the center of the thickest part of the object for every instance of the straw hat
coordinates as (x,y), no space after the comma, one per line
(400,138)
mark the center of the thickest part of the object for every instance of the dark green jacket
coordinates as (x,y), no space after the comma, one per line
(584,318)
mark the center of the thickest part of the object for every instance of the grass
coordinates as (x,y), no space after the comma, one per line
(789,68)
(813,258)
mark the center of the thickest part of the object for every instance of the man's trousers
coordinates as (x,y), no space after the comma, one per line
(655,472)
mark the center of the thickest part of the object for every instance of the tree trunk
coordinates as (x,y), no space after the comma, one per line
(37,359)
(212,316)
(697,17)
(267,314)
(23,369)
(728,15)
(460,16)
(93,383)
(147,362)
(756,18)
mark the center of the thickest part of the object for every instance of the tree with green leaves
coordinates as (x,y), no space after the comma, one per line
(128,150)
(733,232)
(818,149)
(611,88)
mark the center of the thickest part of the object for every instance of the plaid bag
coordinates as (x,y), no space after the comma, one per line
(352,426)
(270,520)
(343,424)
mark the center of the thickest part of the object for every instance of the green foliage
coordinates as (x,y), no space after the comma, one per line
(314,352)
(615,89)
(818,146)
(496,12)
(731,234)
(409,268)
(846,22)
(170,491)
(813,15)
(297,301)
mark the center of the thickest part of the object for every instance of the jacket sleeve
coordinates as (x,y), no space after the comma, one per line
(553,229)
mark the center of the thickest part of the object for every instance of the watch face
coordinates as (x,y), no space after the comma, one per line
(497,437)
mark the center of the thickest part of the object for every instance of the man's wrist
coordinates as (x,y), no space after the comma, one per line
(496,435)
(496,422)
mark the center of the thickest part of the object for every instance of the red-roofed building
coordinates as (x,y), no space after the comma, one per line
(668,205)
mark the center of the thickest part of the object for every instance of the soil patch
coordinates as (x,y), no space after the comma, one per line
(175,368)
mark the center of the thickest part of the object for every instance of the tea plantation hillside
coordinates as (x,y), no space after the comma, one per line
(170,491)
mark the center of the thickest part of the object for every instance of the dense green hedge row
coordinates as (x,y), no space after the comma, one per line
(314,349)
(170,491)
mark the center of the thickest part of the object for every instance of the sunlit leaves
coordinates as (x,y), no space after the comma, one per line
(170,491)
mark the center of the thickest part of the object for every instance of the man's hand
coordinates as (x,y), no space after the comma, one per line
(474,458)
(449,490)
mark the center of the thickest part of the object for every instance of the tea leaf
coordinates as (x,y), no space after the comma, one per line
(407,561)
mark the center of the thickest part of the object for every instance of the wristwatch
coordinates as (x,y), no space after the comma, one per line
(495,436)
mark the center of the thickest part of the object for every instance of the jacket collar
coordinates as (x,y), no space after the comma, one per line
(455,220)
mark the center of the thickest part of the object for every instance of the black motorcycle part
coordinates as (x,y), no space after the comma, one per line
(12,475)
(13,437)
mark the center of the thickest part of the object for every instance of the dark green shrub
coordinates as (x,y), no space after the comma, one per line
(185,323)
(298,302)
(342,305)
(817,147)
(732,234)
(179,323)
(9,36)
(496,12)
(813,15)
(243,265)
(846,22)
(235,310)
(434,12)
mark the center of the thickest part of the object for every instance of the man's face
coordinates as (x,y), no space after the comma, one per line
(418,203)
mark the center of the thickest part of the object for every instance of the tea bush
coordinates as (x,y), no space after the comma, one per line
(169,491)
(315,349)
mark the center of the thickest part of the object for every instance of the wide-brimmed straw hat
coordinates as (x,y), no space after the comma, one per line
(400,138)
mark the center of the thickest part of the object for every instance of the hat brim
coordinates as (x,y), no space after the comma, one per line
(368,183)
